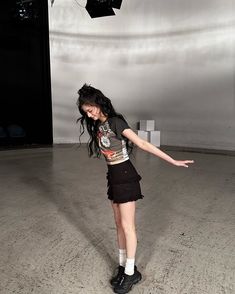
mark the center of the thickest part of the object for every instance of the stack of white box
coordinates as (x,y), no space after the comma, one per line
(147,132)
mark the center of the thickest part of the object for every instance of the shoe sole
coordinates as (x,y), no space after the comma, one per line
(135,282)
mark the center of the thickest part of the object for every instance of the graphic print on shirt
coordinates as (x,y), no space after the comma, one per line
(111,147)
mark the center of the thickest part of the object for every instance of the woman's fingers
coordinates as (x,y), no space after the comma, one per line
(184,162)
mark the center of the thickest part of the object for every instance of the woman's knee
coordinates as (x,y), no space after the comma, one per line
(118,223)
(128,227)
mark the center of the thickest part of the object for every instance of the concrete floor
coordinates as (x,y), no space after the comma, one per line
(58,236)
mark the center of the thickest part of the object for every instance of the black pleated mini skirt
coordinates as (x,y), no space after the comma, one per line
(123,183)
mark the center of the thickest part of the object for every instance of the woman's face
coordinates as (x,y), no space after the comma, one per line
(93,112)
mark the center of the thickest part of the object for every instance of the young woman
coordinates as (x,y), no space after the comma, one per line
(111,136)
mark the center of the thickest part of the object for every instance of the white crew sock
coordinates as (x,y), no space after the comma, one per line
(129,268)
(122,257)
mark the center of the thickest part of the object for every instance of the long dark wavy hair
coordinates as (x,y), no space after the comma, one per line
(92,96)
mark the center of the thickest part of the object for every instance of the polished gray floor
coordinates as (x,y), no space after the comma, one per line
(58,236)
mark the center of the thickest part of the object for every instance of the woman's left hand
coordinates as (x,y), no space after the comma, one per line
(183,163)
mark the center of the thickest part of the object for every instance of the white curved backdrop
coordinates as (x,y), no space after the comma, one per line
(171,61)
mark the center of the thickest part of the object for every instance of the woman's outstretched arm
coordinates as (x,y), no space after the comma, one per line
(146,146)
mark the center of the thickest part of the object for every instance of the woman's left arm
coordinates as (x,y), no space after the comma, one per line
(146,146)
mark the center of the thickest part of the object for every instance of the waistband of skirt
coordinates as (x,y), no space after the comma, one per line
(117,162)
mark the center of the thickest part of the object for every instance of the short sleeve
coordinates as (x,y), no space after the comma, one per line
(118,125)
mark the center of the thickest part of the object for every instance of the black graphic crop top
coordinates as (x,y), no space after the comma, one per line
(111,142)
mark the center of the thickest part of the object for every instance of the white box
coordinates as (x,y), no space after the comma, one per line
(154,138)
(147,125)
(143,135)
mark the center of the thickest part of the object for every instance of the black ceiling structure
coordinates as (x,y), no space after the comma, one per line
(100,8)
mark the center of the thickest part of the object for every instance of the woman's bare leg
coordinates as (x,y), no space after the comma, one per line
(120,233)
(131,275)
(127,215)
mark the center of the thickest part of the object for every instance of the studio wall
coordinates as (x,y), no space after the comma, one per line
(171,61)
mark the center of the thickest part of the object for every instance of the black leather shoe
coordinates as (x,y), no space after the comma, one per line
(126,282)
(118,275)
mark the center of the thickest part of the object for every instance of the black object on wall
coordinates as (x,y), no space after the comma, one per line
(25,102)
